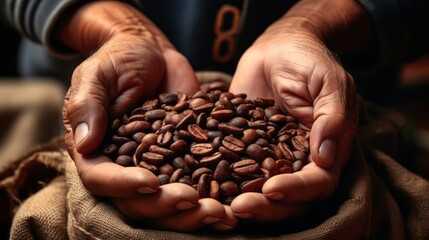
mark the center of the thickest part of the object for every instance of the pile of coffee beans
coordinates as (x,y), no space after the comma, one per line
(220,143)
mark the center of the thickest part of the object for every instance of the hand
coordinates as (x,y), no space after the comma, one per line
(133,61)
(305,79)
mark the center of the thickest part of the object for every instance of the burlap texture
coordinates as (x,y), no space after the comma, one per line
(377,198)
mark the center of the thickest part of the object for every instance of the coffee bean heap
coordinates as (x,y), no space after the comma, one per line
(220,143)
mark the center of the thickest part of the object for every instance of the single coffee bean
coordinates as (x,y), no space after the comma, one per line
(180,147)
(155,114)
(255,152)
(245,167)
(163,178)
(167,169)
(179,162)
(211,160)
(222,171)
(204,186)
(254,185)
(167,153)
(127,148)
(233,144)
(202,149)
(300,143)
(284,166)
(177,174)
(197,133)
(168,98)
(199,172)
(124,160)
(153,158)
(229,188)
(214,190)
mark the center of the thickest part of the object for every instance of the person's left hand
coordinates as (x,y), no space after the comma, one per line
(305,79)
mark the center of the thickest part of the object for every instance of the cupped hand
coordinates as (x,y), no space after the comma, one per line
(130,61)
(306,80)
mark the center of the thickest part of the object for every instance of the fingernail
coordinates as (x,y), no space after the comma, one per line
(275,195)
(146,189)
(243,215)
(327,152)
(183,205)
(80,133)
(209,220)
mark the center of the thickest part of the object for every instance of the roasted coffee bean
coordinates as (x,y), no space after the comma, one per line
(233,144)
(255,152)
(150,104)
(180,147)
(254,185)
(152,158)
(229,188)
(202,149)
(110,149)
(222,114)
(167,153)
(155,114)
(167,98)
(186,180)
(249,136)
(270,165)
(128,148)
(177,174)
(136,126)
(124,160)
(297,165)
(228,154)
(300,143)
(222,144)
(167,169)
(284,166)
(197,133)
(179,162)
(199,172)
(163,178)
(165,139)
(222,171)
(204,186)
(214,190)
(245,167)
(150,138)
(211,160)
(230,129)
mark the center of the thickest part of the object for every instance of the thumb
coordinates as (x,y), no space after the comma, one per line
(86,114)
(335,123)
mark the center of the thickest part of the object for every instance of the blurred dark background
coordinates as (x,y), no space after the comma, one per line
(8,51)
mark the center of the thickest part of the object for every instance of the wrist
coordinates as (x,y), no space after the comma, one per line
(342,25)
(87,27)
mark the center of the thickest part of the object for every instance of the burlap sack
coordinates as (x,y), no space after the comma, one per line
(377,198)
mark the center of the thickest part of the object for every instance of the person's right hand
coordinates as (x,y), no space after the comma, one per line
(130,61)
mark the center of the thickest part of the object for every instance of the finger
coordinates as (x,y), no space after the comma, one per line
(169,200)
(249,78)
(312,183)
(256,207)
(228,222)
(180,77)
(103,177)
(208,212)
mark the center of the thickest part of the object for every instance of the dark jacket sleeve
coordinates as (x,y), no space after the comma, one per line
(36,19)
(402,29)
